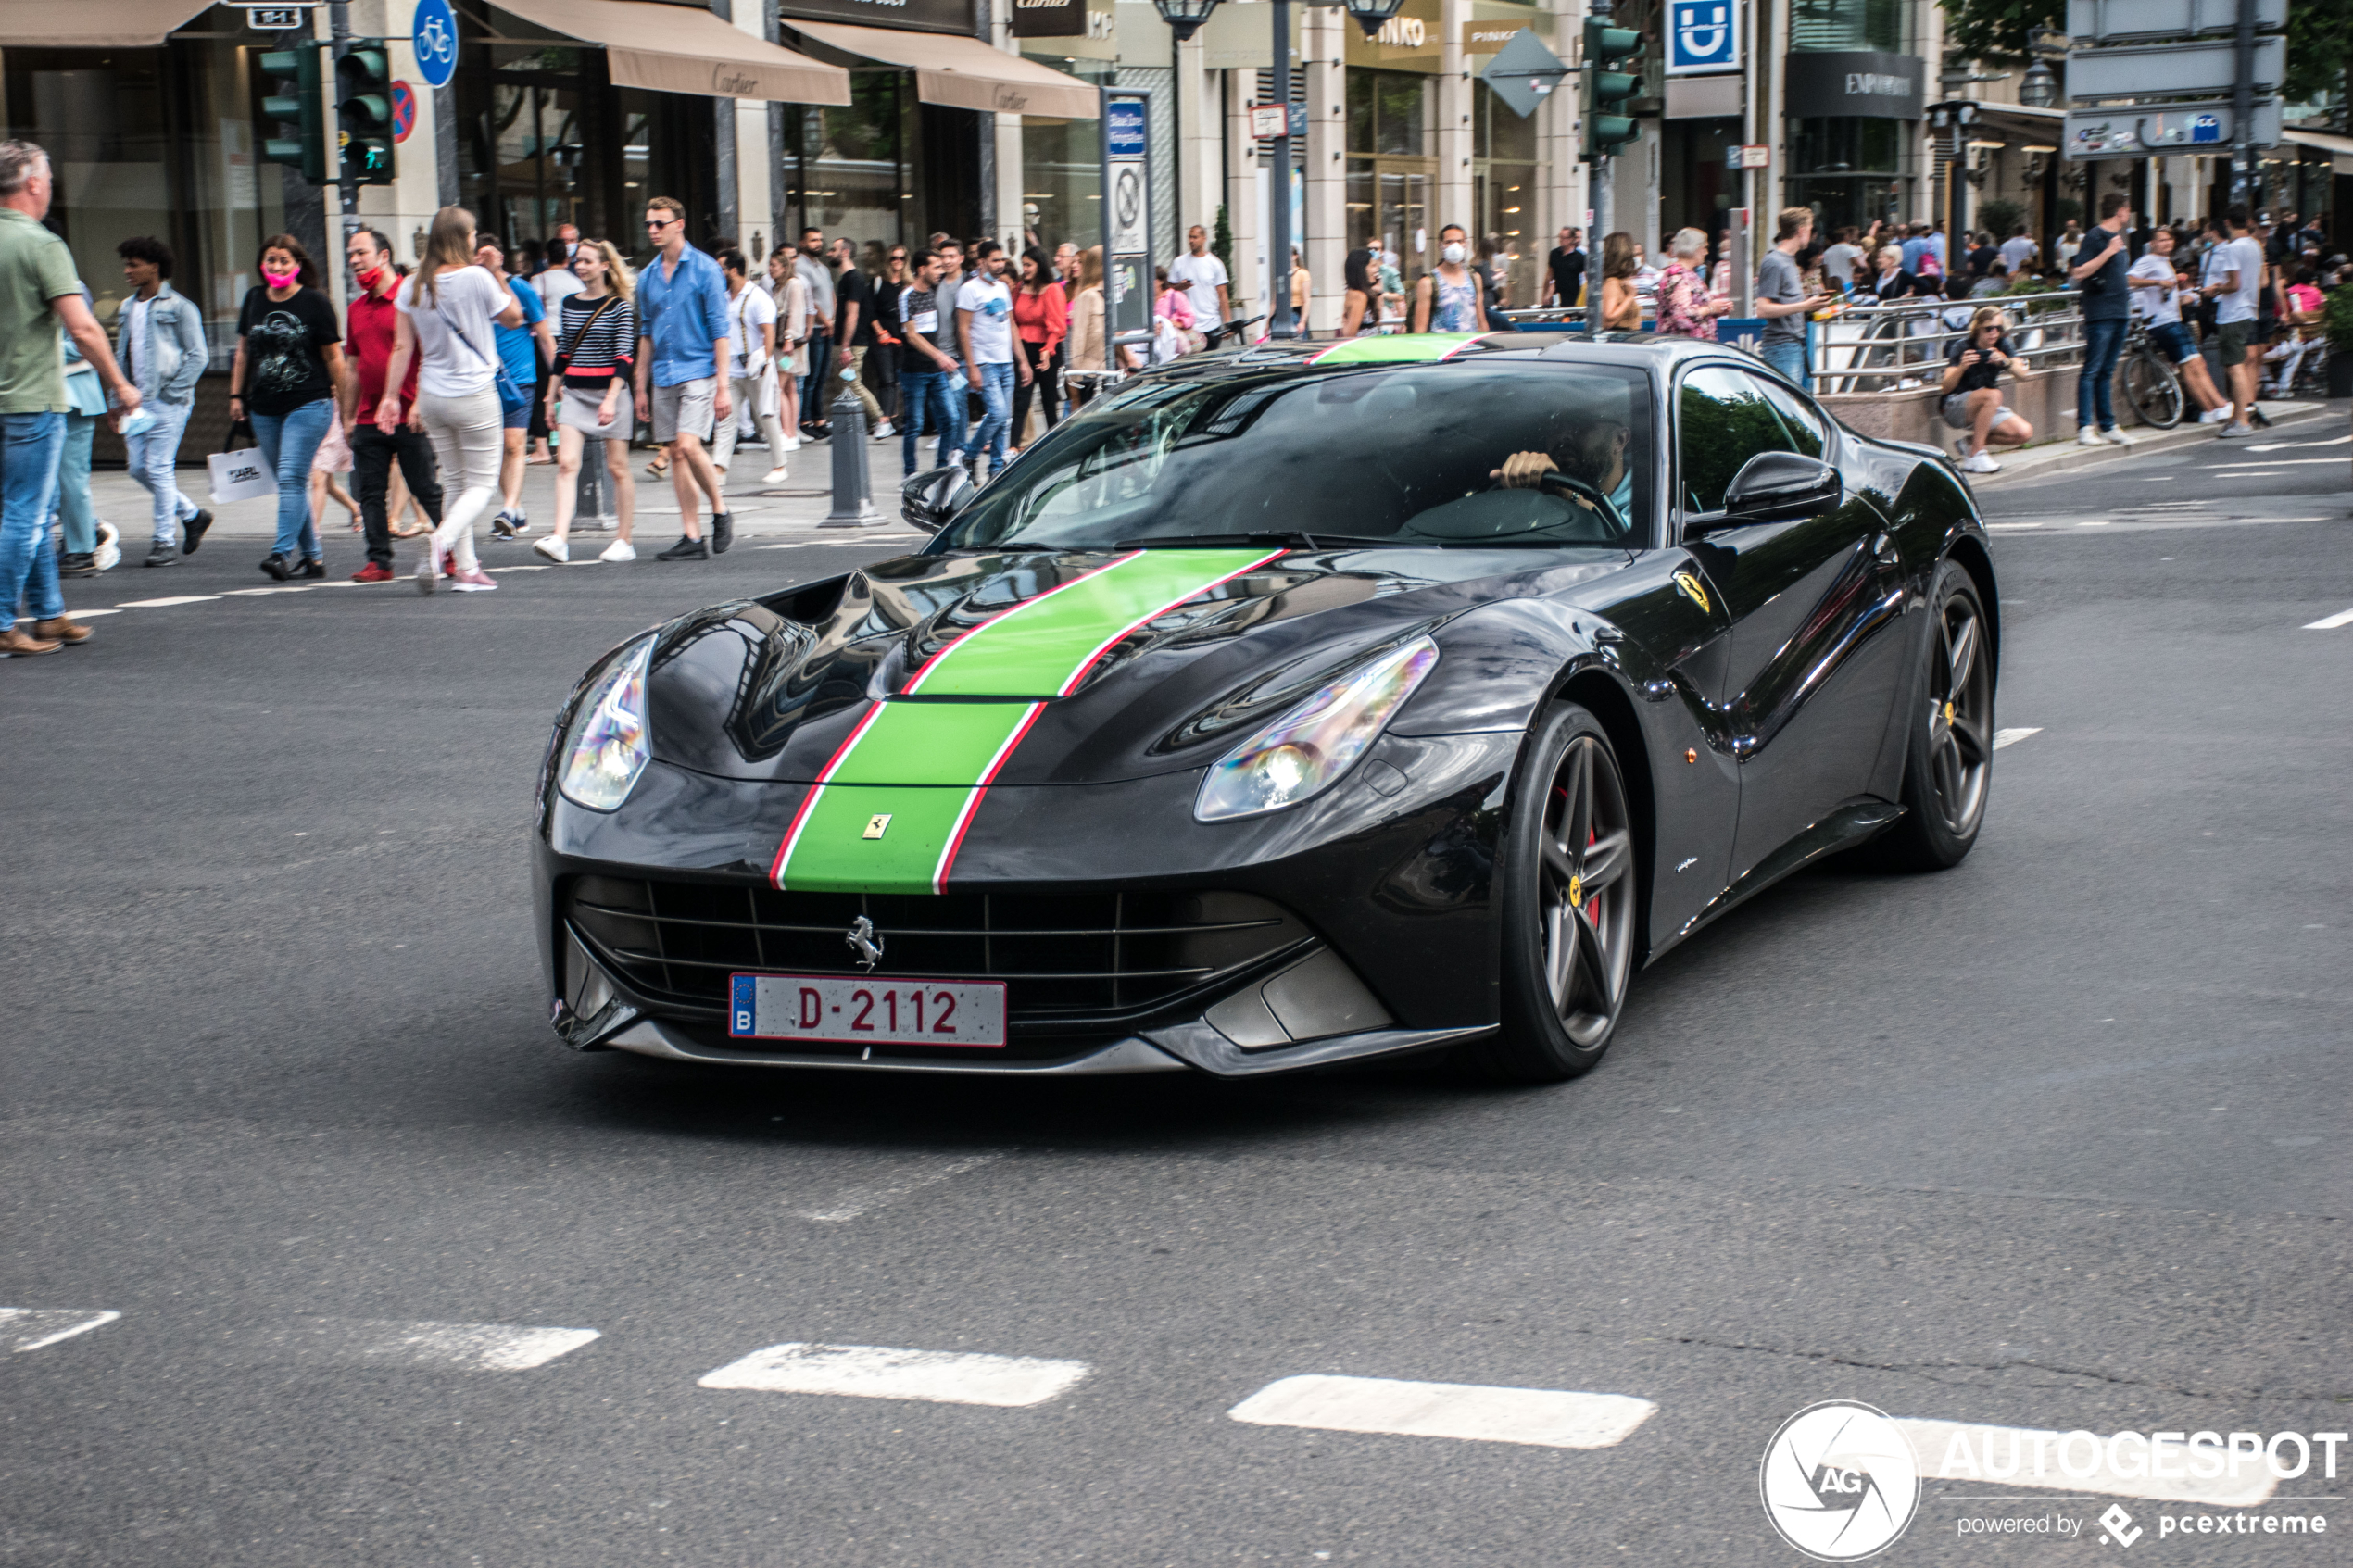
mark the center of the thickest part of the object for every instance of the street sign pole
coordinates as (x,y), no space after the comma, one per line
(1599,186)
(2242,108)
(1279,318)
(346,188)
(1127,220)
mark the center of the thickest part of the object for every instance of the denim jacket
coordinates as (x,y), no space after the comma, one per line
(174,354)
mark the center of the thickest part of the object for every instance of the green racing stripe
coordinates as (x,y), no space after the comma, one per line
(889,810)
(1396,348)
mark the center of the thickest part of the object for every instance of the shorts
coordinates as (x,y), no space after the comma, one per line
(334,451)
(579,412)
(520,418)
(1955,411)
(2173,340)
(684,409)
(2233,336)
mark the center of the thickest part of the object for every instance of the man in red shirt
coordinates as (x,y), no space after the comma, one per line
(367,338)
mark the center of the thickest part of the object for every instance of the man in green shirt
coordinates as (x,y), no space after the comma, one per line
(38,292)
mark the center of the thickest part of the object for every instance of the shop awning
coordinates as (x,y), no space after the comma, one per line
(92,24)
(963,73)
(683,49)
(2323,141)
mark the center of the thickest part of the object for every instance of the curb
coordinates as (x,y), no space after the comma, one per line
(2063,457)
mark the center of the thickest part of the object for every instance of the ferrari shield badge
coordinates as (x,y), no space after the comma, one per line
(1692,590)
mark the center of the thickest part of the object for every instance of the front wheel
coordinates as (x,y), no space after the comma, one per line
(2153,390)
(1948,754)
(1568,888)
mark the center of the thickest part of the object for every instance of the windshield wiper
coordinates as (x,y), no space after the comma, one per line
(1298,539)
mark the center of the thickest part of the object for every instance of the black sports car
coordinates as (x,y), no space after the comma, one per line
(1283,707)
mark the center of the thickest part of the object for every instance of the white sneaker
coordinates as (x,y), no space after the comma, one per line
(883,430)
(553,549)
(775,475)
(2233,431)
(109,555)
(792,444)
(1982,463)
(2088,436)
(2116,437)
(2215,416)
(619,549)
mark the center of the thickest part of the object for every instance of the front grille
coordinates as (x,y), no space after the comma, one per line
(1070,962)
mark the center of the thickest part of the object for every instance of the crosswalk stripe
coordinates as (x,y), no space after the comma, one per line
(462,1347)
(874,1372)
(2012,737)
(2330,623)
(2004,1456)
(27,1328)
(174,599)
(1546,1417)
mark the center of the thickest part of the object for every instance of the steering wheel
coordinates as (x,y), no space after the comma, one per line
(1553,478)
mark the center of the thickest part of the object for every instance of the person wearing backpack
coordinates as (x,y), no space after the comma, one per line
(1451,297)
(447,307)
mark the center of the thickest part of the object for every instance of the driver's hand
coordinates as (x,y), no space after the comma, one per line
(1524,470)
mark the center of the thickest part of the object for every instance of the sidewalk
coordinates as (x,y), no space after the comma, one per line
(2059,456)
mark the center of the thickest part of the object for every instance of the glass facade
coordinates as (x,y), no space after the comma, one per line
(882,170)
(1391,172)
(1503,192)
(1847,170)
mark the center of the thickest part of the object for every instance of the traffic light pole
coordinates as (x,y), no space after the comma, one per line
(346,188)
(1279,320)
(1598,196)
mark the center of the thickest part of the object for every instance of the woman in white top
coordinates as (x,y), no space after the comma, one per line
(790,291)
(447,307)
(751,368)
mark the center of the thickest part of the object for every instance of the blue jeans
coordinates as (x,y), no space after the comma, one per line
(996,416)
(812,385)
(288,441)
(933,397)
(80,523)
(1787,357)
(2094,390)
(30,447)
(154,457)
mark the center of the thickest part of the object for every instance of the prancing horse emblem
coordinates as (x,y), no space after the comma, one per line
(1692,590)
(864,943)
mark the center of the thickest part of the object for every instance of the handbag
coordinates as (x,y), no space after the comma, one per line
(512,400)
(240,474)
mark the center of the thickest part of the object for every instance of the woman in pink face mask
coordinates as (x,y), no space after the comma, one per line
(288,374)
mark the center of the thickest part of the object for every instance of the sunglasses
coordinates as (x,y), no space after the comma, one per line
(662,222)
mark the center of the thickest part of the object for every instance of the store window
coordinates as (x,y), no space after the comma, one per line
(154,142)
(1847,170)
(1503,192)
(1849,25)
(1391,173)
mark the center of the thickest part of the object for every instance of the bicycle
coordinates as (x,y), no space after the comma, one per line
(2151,384)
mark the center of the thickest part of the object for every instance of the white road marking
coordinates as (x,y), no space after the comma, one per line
(27,1328)
(2010,527)
(1547,1417)
(255,593)
(2330,623)
(158,604)
(849,1204)
(87,614)
(463,1347)
(2276,445)
(874,1372)
(2276,463)
(1997,1459)
(2012,737)
(2094,523)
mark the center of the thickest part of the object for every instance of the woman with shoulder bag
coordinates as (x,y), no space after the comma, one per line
(447,307)
(588,395)
(284,382)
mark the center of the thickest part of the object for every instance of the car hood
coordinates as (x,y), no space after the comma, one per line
(1137,663)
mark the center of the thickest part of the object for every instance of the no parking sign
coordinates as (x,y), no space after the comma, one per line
(404,110)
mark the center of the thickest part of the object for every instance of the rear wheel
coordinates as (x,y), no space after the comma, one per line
(1948,756)
(1568,893)
(2154,391)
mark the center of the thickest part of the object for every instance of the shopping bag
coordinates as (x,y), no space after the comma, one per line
(240,475)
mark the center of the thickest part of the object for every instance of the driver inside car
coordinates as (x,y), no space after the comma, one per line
(1596,454)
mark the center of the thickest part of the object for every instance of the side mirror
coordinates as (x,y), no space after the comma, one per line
(932,498)
(1779,483)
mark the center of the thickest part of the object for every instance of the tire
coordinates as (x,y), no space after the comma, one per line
(2153,390)
(1949,749)
(1569,914)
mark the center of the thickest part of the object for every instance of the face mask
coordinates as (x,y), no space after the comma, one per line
(280,280)
(1453,255)
(373,275)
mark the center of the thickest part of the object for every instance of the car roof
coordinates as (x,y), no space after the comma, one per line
(1627,349)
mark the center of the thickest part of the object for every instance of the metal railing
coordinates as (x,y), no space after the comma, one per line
(1899,346)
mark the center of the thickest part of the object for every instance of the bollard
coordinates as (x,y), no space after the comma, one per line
(589,515)
(853,500)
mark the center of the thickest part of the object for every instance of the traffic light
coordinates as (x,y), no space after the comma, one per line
(1608,92)
(363,112)
(293,122)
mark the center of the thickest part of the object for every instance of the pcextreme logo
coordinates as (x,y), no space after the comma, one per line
(1839,1481)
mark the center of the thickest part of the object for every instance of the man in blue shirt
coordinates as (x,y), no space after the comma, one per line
(516,354)
(683,341)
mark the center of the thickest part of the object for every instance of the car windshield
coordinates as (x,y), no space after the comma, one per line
(1405,454)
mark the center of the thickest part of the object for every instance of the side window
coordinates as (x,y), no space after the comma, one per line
(1722,421)
(1801,419)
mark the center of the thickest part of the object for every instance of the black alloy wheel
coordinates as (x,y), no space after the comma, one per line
(1569,895)
(1948,764)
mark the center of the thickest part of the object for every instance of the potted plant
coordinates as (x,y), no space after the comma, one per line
(2337,321)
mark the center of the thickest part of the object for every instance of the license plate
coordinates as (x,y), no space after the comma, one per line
(870,1012)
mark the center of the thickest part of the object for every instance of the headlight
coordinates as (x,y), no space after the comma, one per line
(609,743)
(1308,748)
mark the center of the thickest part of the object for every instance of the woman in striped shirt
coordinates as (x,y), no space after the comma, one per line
(588,395)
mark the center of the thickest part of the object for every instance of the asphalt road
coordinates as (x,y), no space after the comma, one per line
(2056,1140)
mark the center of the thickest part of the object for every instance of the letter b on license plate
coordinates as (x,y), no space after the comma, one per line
(866,1012)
